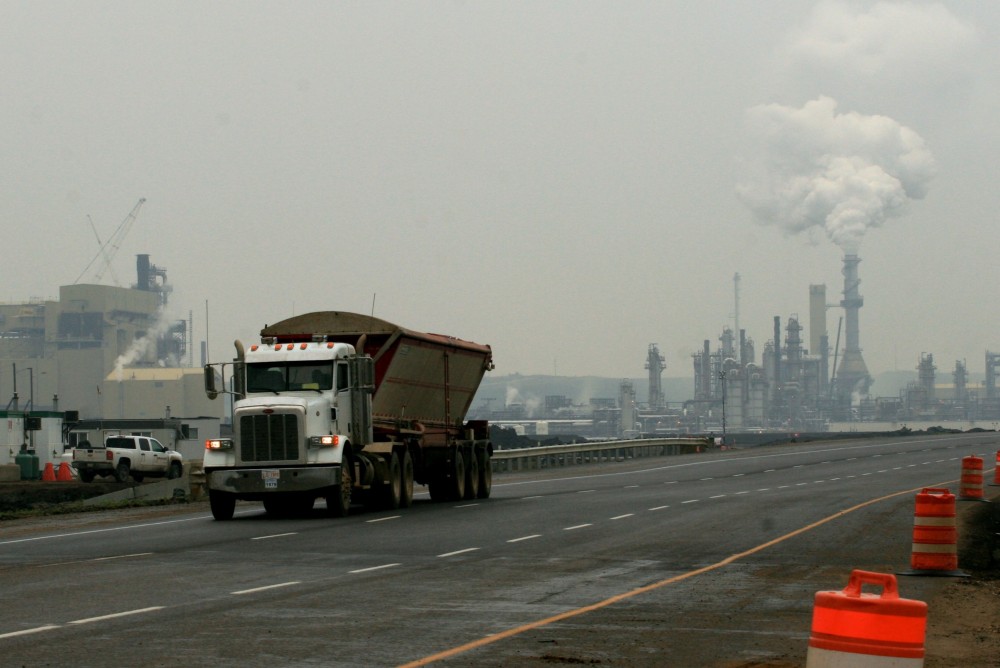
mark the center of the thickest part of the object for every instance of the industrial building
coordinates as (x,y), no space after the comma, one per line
(101,352)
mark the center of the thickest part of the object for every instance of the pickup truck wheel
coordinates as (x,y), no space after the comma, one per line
(121,472)
(338,501)
(406,488)
(485,476)
(87,476)
(223,505)
(175,471)
(471,476)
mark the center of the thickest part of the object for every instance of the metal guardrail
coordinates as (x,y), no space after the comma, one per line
(549,456)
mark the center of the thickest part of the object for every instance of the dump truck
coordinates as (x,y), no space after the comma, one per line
(348,408)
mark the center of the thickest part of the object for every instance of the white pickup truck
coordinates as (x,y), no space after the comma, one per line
(124,455)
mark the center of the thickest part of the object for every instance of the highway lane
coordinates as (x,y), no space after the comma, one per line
(384,588)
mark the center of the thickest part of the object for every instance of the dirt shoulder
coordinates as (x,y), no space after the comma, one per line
(963,620)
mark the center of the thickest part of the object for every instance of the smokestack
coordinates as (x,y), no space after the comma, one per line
(817,318)
(852,376)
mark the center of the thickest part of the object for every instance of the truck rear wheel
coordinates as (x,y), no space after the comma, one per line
(406,487)
(485,476)
(471,476)
(87,476)
(121,472)
(457,491)
(338,501)
(223,505)
(390,493)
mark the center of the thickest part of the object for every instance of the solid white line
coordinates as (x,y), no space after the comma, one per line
(276,535)
(373,568)
(621,517)
(383,519)
(116,615)
(518,540)
(123,556)
(84,533)
(37,629)
(452,554)
(257,589)
(578,526)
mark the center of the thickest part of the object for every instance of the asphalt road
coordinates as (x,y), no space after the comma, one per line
(691,560)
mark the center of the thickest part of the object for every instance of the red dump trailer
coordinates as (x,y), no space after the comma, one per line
(390,401)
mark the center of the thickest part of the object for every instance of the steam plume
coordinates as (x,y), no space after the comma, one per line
(842,173)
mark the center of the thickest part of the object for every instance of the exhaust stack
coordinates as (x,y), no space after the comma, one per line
(852,376)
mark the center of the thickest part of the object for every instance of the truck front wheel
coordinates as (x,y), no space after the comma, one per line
(338,501)
(390,493)
(175,471)
(223,505)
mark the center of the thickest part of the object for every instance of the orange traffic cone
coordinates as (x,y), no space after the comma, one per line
(852,629)
(49,473)
(65,473)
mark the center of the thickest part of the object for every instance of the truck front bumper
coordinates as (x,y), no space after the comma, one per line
(263,481)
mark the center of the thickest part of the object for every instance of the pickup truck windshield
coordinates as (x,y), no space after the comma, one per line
(291,376)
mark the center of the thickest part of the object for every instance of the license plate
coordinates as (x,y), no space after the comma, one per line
(270,474)
(270,483)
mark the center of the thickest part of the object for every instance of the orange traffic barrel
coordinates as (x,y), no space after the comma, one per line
(49,473)
(971,484)
(935,536)
(996,470)
(855,629)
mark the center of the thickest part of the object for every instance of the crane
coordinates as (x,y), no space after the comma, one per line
(109,248)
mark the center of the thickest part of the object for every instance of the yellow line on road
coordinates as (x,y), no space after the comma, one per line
(576,612)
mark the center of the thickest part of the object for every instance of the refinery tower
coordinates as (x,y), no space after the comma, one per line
(852,377)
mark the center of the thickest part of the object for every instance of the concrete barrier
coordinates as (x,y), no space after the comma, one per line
(549,456)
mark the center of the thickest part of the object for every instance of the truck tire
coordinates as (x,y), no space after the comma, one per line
(122,471)
(138,477)
(406,486)
(485,476)
(471,475)
(175,471)
(87,476)
(338,501)
(390,493)
(457,491)
(223,505)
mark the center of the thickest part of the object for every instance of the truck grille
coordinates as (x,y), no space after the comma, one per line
(269,438)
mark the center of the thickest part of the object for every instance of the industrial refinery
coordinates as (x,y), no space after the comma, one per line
(797,384)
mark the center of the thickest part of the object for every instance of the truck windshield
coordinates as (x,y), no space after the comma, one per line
(291,376)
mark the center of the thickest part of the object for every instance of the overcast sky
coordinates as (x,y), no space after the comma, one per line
(566,181)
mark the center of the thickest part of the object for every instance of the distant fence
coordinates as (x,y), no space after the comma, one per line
(550,456)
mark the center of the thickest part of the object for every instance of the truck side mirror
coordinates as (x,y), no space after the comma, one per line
(210,383)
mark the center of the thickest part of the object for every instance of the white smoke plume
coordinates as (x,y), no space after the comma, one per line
(842,173)
(144,345)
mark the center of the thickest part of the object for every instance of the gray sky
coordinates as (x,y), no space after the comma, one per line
(567,181)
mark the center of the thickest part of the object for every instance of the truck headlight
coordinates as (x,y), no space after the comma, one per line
(219,444)
(327,441)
